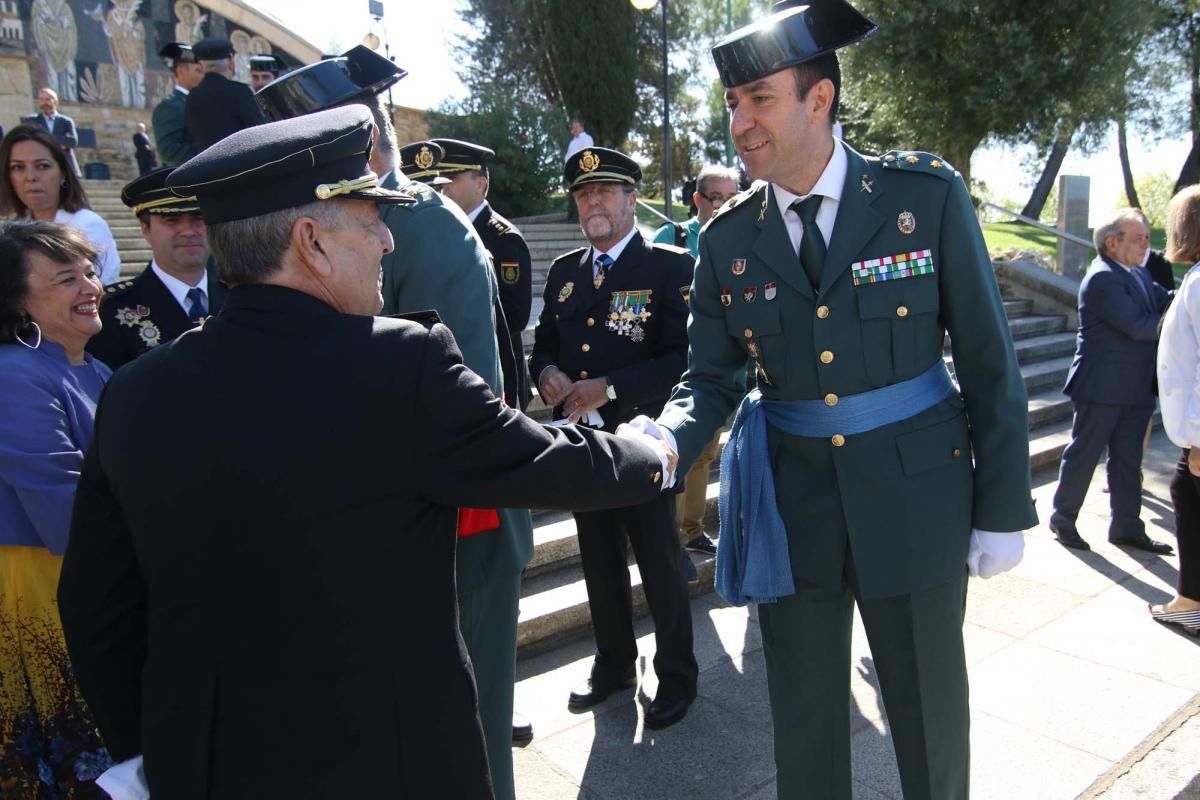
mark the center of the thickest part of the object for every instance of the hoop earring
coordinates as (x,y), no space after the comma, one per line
(37,343)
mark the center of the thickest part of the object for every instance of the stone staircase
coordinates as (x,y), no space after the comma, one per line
(553,597)
(105,199)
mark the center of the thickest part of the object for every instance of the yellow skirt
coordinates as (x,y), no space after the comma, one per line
(49,746)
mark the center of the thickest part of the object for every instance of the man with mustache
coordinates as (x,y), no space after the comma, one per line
(610,343)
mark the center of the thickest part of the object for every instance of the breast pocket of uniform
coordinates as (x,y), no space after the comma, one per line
(757,329)
(897,318)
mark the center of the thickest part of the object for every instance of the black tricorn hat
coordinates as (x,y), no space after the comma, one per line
(266,63)
(178,52)
(327,83)
(214,48)
(793,34)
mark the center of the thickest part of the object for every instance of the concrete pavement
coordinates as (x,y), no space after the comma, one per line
(1075,691)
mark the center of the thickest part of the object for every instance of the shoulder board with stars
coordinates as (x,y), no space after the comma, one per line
(117,288)
(418,191)
(683,251)
(916,161)
(738,200)
(500,226)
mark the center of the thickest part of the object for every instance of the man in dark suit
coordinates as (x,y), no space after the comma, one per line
(441,265)
(177,291)
(267,608)
(169,118)
(59,125)
(610,343)
(1111,383)
(143,151)
(219,105)
(857,473)
(465,166)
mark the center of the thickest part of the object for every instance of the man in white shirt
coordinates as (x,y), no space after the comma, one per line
(579,140)
(175,292)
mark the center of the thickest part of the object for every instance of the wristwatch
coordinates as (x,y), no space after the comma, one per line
(610,392)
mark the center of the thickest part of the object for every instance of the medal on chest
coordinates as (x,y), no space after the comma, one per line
(627,311)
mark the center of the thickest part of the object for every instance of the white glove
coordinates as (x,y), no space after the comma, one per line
(991,553)
(125,781)
(640,426)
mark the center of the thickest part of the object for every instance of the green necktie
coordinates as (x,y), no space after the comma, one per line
(812,246)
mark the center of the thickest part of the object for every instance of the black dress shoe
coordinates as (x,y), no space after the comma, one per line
(596,688)
(702,544)
(522,733)
(666,711)
(1143,542)
(1066,533)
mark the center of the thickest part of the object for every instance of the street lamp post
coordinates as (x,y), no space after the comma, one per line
(646,5)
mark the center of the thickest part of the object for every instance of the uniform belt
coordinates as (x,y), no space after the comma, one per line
(753,561)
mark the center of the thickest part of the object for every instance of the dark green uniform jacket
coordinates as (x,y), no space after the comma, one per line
(906,494)
(171,136)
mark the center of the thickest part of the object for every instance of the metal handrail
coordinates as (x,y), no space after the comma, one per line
(1070,237)
(655,211)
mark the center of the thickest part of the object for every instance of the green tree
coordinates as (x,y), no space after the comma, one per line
(946,76)
(1155,191)
(527,167)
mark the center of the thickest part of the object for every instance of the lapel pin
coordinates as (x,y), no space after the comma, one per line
(866,184)
(906,222)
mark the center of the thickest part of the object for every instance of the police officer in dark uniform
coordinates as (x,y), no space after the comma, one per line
(179,287)
(171,136)
(220,105)
(610,343)
(465,166)
(441,265)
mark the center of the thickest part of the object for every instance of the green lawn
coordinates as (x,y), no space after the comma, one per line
(1006,235)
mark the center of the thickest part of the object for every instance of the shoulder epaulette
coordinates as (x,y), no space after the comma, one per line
(426,318)
(501,226)
(671,247)
(578,251)
(737,201)
(117,287)
(916,161)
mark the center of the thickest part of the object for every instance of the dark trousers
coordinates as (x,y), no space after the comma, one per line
(1120,429)
(917,648)
(1185,495)
(650,528)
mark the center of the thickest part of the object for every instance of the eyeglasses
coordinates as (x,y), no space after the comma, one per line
(716,198)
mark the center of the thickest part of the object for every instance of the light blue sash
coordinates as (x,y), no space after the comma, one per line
(753,564)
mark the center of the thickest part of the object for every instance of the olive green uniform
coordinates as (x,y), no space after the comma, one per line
(884,516)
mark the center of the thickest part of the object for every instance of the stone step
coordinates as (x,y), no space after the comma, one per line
(1018,308)
(1036,325)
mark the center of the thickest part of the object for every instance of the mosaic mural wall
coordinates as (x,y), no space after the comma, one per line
(105,52)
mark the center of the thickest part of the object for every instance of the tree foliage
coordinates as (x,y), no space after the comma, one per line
(527,139)
(946,76)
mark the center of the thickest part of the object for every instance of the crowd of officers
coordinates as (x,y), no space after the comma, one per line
(831,283)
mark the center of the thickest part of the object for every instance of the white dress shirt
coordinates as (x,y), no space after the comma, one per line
(179,289)
(93,226)
(614,252)
(829,186)
(478,210)
(577,143)
(1178,362)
